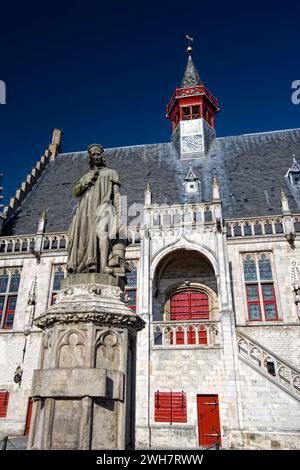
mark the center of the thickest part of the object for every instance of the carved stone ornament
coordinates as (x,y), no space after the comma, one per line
(95,303)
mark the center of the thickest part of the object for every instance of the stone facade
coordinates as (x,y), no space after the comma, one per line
(255,411)
(243,354)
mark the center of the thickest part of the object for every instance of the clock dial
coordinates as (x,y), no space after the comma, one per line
(192,143)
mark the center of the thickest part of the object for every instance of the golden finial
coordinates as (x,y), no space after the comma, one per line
(190,40)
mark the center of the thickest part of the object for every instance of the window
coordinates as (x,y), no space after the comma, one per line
(190,112)
(59,273)
(195,112)
(4,397)
(131,287)
(9,286)
(186,113)
(260,290)
(170,407)
(189,305)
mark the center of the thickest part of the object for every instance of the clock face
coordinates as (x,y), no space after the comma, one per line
(192,143)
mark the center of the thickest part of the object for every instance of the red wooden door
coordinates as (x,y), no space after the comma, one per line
(28,418)
(189,305)
(208,420)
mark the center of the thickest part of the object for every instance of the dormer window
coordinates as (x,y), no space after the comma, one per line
(191,182)
(293,173)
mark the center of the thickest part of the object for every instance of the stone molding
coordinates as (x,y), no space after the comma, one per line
(96,303)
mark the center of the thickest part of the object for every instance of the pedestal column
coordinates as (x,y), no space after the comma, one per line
(84,390)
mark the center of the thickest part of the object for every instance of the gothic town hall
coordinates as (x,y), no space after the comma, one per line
(213,247)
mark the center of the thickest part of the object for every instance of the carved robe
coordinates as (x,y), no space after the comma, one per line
(95,217)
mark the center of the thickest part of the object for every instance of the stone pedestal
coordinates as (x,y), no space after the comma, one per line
(84,390)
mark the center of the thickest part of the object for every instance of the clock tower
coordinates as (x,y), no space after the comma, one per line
(192,110)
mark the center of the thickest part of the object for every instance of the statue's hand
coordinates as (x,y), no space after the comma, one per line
(94,176)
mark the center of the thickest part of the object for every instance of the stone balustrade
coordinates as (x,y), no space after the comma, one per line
(186,334)
(21,244)
(269,364)
(25,244)
(163,216)
(259,226)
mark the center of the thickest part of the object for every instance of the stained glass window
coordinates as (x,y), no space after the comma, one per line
(131,277)
(270,311)
(131,283)
(9,283)
(254,312)
(10,311)
(252,293)
(268,292)
(260,292)
(253,302)
(265,269)
(250,269)
(131,298)
(3,282)
(14,282)
(269,301)
(58,276)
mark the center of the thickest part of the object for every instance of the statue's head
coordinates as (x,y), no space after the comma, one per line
(96,157)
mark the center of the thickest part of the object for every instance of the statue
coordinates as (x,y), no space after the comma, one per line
(95,224)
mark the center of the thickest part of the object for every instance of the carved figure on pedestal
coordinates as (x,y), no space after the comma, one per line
(95,224)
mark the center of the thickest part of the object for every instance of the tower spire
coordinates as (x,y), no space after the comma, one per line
(191,77)
(192,110)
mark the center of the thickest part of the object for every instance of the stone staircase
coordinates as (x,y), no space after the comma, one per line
(267,363)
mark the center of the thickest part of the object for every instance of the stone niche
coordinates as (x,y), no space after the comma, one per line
(183,268)
(83,392)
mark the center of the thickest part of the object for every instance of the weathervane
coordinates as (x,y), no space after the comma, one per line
(190,40)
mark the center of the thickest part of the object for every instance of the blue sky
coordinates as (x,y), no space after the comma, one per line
(105,71)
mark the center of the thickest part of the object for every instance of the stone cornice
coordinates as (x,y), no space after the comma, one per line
(96,316)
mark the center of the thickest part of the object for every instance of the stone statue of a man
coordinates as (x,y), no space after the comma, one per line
(94,224)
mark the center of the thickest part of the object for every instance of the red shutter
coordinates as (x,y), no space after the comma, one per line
(4,397)
(170,407)
(190,305)
(28,417)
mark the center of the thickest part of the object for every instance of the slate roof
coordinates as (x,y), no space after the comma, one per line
(191,77)
(250,169)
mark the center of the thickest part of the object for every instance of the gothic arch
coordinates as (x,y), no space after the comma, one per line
(188,246)
(108,350)
(70,351)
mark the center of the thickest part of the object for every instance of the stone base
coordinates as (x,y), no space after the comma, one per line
(84,393)
(90,278)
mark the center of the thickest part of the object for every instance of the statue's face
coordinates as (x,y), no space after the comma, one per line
(96,156)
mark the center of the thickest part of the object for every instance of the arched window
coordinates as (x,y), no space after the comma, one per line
(190,305)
